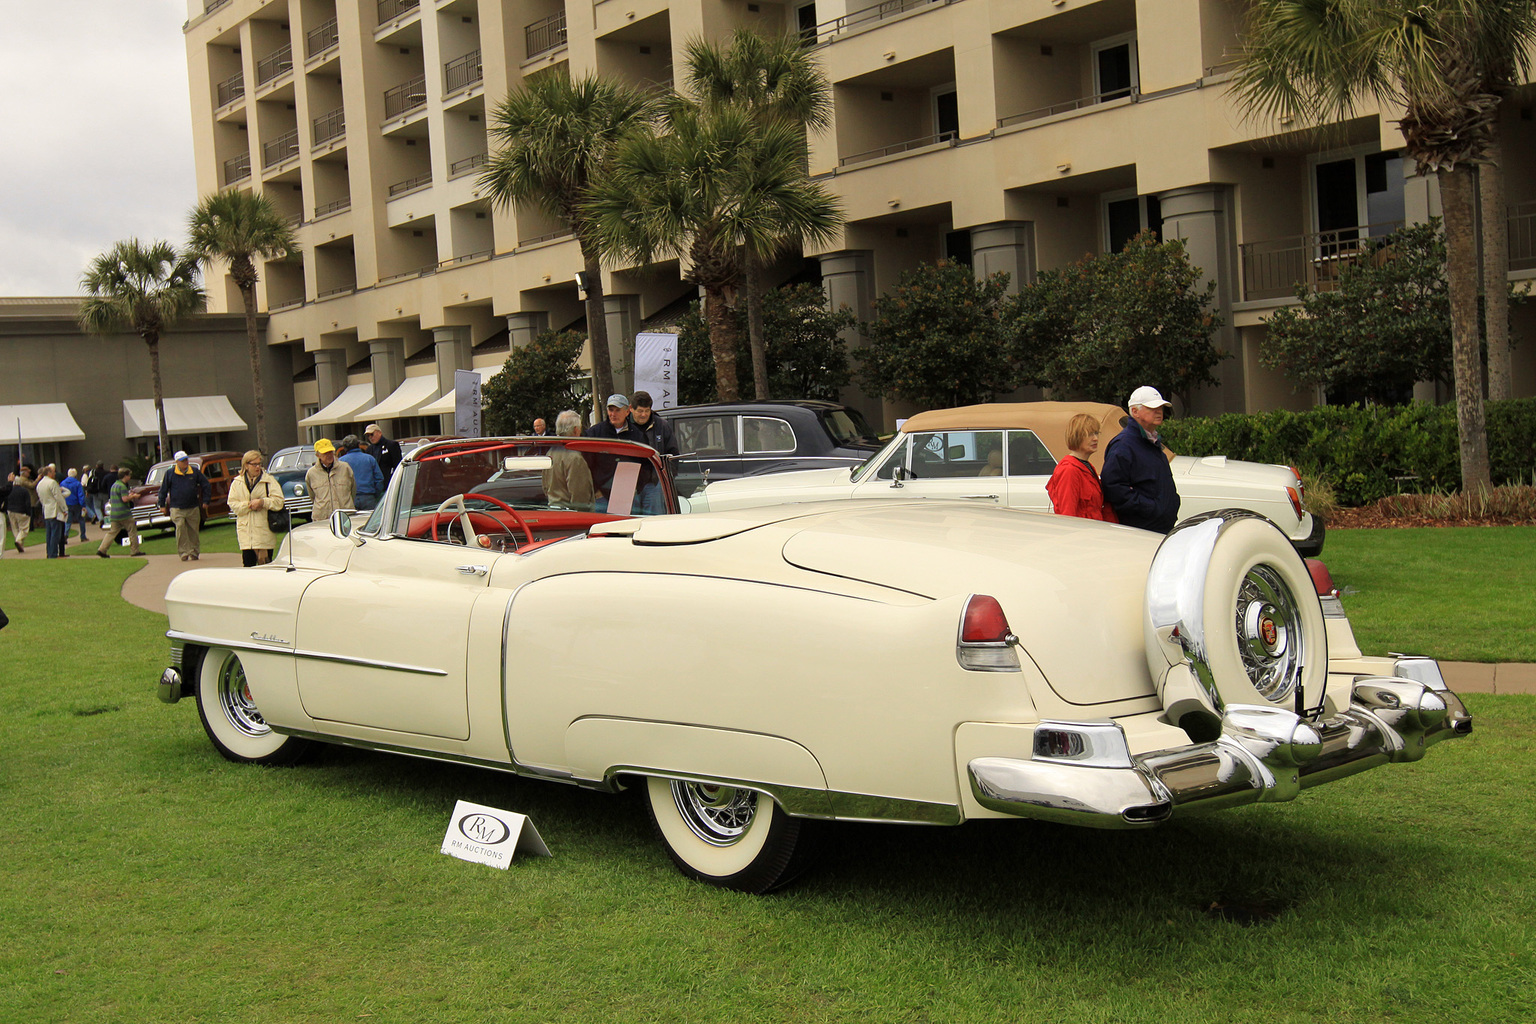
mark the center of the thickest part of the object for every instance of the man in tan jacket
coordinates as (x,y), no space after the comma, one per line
(330,482)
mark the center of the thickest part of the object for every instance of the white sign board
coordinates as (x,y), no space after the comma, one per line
(656,368)
(489,835)
(466,403)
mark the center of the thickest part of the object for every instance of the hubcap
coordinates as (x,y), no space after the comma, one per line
(719,815)
(1268,633)
(235,700)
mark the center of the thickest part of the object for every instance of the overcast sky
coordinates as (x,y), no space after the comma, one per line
(98,136)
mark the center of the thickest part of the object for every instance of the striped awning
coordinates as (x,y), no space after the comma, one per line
(205,414)
(38,423)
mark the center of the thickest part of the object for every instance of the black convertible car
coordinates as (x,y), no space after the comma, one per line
(730,439)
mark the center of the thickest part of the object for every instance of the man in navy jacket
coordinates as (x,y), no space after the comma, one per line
(1137,481)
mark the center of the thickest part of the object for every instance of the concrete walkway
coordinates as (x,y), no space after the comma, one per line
(146,588)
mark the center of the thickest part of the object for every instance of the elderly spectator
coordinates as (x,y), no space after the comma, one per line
(385,451)
(118,516)
(18,507)
(253,494)
(184,496)
(1137,480)
(1074,486)
(330,481)
(367,477)
(541,429)
(55,511)
(617,426)
(74,499)
(657,433)
(568,481)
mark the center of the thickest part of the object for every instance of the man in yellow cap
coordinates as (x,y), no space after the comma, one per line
(330,481)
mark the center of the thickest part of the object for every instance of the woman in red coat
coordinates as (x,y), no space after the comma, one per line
(1074,487)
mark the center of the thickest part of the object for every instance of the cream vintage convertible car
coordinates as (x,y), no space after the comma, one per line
(1002,454)
(923,662)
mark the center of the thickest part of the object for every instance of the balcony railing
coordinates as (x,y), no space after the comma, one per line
(232,88)
(430,268)
(288,303)
(400,188)
(334,206)
(1068,106)
(340,290)
(900,147)
(469,257)
(405,97)
(1273,268)
(875,12)
(321,38)
(459,168)
(209,6)
(544,35)
(389,10)
(1522,236)
(278,62)
(329,126)
(237,168)
(550,237)
(463,72)
(279,149)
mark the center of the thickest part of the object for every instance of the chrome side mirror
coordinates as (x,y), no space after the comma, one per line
(898,474)
(341,524)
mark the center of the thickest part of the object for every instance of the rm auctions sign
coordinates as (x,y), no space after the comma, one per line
(489,835)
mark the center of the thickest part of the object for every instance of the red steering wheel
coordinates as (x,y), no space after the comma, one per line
(469,532)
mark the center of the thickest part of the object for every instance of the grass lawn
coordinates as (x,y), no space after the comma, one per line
(149,880)
(1460,593)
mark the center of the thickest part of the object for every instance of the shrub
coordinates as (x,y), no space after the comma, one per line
(1513,502)
(540,379)
(1371,452)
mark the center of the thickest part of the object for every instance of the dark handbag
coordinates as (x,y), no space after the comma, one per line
(277,518)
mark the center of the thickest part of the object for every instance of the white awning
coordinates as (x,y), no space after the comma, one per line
(207,414)
(405,400)
(344,408)
(447,405)
(38,423)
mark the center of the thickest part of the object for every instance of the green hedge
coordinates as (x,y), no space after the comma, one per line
(1368,453)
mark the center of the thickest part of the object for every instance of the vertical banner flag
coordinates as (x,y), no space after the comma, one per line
(466,404)
(656,368)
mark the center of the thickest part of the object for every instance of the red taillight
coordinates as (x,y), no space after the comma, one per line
(984,621)
(1290,492)
(1322,579)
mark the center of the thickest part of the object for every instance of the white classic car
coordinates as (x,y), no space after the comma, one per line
(923,662)
(1002,454)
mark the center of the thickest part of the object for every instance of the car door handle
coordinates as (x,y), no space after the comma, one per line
(985,497)
(473,570)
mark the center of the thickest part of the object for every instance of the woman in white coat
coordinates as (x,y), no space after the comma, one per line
(252,494)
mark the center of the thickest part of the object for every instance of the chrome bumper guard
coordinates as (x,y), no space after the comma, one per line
(1263,754)
(172,686)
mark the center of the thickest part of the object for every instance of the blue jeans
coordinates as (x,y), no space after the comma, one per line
(77,518)
(366,502)
(650,500)
(57,531)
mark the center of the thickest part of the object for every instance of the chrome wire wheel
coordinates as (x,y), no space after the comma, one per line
(1269,634)
(236,703)
(719,815)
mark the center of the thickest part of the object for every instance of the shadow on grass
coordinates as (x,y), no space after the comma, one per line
(1249,866)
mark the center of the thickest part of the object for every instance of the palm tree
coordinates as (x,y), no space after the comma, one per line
(241,228)
(773,78)
(1314,60)
(144,290)
(557,138)
(707,185)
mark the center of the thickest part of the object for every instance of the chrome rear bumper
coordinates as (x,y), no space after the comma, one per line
(1263,754)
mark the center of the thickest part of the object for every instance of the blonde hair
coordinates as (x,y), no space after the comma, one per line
(1079,429)
(251,456)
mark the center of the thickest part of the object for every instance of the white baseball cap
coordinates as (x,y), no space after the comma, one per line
(1149,397)
(181,456)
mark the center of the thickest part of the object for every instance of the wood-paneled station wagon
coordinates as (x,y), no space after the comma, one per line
(919,661)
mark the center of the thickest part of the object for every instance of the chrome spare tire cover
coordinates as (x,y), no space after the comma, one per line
(1232,617)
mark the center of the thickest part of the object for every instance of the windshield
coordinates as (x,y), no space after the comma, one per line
(874,462)
(848,426)
(298,458)
(554,489)
(157,473)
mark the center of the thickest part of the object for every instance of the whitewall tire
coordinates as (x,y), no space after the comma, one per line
(231,718)
(734,838)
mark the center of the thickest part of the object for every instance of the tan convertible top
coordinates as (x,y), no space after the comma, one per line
(1047,419)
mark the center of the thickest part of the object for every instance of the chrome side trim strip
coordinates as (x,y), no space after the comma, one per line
(815,803)
(268,648)
(427,755)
